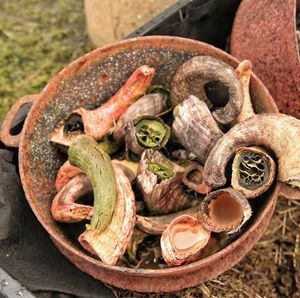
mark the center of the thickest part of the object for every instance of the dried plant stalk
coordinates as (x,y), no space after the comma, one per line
(182,154)
(146,132)
(193,178)
(98,122)
(279,132)
(129,168)
(244,71)
(183,240)
(150,104)
(195,128)
(67,172)
(64,207)
(159,180)
(155,225)
(110,243)
(212,81)
(225,210)
(253,171)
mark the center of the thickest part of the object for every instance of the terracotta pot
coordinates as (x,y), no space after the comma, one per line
(265,32)
(88,82)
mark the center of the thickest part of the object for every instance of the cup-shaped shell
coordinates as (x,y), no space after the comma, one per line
(150,104)
(195,128)
(253,171)
(212,81)
(160,181)
(111,243)
(225,210)
(183,240)
(278,132)
(146,132)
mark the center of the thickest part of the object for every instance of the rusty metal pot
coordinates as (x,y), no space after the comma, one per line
(265,32)
(87,82)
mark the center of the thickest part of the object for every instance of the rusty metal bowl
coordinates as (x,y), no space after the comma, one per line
(88,82)
(265,32)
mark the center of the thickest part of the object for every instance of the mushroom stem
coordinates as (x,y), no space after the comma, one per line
(279,132)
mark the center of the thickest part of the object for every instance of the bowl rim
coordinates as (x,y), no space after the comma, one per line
(67,72)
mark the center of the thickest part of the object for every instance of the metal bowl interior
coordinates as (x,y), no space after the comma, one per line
(88,82)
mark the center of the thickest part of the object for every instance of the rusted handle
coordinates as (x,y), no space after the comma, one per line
(6,137)
(289,192)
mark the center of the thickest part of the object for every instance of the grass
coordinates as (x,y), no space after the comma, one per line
(37,39)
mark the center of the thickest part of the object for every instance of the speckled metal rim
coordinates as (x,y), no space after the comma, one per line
(82,62)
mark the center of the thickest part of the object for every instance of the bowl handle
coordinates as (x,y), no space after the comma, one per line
(6,137)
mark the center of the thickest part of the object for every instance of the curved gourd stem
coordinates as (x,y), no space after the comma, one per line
(278,132)
(64,207)
(111,243)
(97,123)
(213,81)
(87,156)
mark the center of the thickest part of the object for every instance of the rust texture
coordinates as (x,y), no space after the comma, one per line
(78,84)
(6,137)
(265,33)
